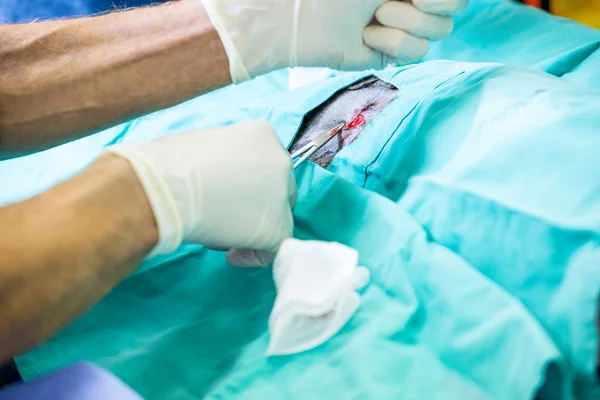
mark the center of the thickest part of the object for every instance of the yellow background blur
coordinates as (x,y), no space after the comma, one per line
(585,11)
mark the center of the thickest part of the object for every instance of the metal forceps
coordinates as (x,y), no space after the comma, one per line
(314,145)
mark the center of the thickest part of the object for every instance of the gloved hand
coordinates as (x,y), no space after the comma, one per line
(226,188)
(263,35)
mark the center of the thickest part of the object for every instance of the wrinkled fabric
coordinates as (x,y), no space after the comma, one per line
(482,247)
(506,32)
(472,198)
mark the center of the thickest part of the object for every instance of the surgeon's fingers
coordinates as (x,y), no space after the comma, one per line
(245,258)
(406,17)
(396,43)
(440,7)
(281,227)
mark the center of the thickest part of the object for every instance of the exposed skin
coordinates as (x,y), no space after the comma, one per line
(61,80)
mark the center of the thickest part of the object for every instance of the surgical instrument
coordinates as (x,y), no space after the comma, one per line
(314,145)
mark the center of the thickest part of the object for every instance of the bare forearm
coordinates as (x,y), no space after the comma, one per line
(65,249)
(60,80)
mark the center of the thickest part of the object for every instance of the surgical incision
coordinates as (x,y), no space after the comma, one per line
(355,105)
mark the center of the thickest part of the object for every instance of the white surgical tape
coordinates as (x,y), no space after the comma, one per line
(316,294)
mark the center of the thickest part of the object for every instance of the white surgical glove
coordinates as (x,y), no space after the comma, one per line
(227,188)
(263,35)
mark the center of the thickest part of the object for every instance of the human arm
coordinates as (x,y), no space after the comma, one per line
(229,187)
(61,80)
(65,249)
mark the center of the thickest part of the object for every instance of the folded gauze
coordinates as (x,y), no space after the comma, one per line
(316,294)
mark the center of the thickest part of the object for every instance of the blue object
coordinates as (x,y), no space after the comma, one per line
(484,269)
(13,11)
(83,381)
(501,31)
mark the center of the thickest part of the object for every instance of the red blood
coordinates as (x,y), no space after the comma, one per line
(357,121)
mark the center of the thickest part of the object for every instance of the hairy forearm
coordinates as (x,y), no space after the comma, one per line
(65,249)
(60,80)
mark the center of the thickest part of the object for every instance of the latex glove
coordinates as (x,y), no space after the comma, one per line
(263,35)
(226,188)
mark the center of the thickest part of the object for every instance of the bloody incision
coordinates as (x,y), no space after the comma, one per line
(355,122)
(358,103)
